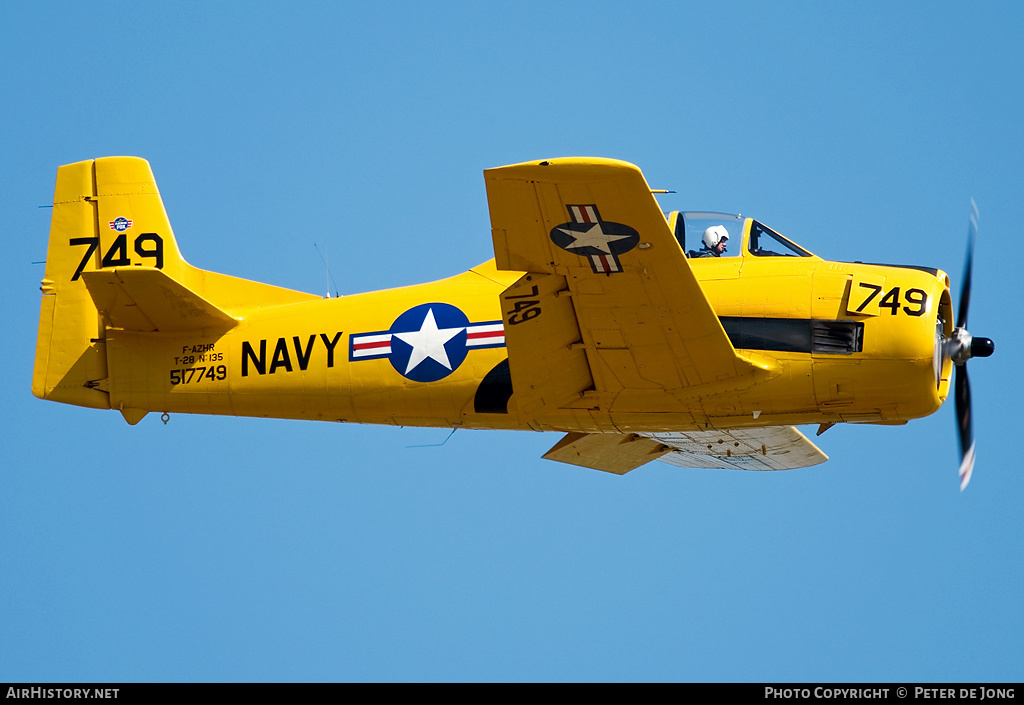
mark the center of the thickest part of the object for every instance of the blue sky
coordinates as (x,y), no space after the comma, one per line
(220,549)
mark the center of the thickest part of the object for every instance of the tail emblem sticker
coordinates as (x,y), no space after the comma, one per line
(120,224)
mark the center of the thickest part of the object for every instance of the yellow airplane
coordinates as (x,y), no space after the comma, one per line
(593,319)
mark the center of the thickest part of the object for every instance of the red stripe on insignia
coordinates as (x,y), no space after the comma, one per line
(371,346)
(477,337)
(605,264)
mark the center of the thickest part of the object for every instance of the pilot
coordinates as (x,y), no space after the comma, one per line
(715,239)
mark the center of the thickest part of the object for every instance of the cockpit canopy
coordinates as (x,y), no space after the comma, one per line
(757,239)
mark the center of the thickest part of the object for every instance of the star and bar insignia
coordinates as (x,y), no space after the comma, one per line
(600,241)
(428,342)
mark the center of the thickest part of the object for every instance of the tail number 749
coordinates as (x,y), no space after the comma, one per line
(146,245)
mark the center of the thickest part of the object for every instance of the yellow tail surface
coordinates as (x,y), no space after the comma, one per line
(113,262)
(107,213)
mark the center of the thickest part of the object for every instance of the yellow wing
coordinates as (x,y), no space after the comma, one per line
(588,231)
(610,452)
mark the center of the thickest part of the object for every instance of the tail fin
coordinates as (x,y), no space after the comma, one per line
(107,213)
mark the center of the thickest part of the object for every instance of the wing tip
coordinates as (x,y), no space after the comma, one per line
(562,166)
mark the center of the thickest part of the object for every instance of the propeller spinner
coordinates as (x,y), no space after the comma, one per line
(960,347)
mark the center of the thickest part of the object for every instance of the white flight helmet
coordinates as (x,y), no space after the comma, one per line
(714,235)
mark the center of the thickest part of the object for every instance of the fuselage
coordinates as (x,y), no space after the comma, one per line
(837,342)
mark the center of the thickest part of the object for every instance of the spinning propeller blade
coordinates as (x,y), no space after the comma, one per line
(962,393)
(961,347)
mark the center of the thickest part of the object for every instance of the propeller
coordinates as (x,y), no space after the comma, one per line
(960,347)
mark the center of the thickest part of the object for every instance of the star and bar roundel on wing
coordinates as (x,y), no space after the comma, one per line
(600,241)
(428,342)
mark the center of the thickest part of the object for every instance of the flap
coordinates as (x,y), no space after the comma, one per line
(146,299)
(767,448)
(549,368)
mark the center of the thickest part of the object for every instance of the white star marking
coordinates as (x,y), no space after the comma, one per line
(428,342)
(590,238)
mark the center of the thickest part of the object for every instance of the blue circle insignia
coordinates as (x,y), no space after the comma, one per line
(428,342)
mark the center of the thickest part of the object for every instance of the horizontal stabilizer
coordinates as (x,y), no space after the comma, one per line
(610,452)
(767,448)
(146,299)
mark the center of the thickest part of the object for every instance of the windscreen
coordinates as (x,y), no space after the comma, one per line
(765,242)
